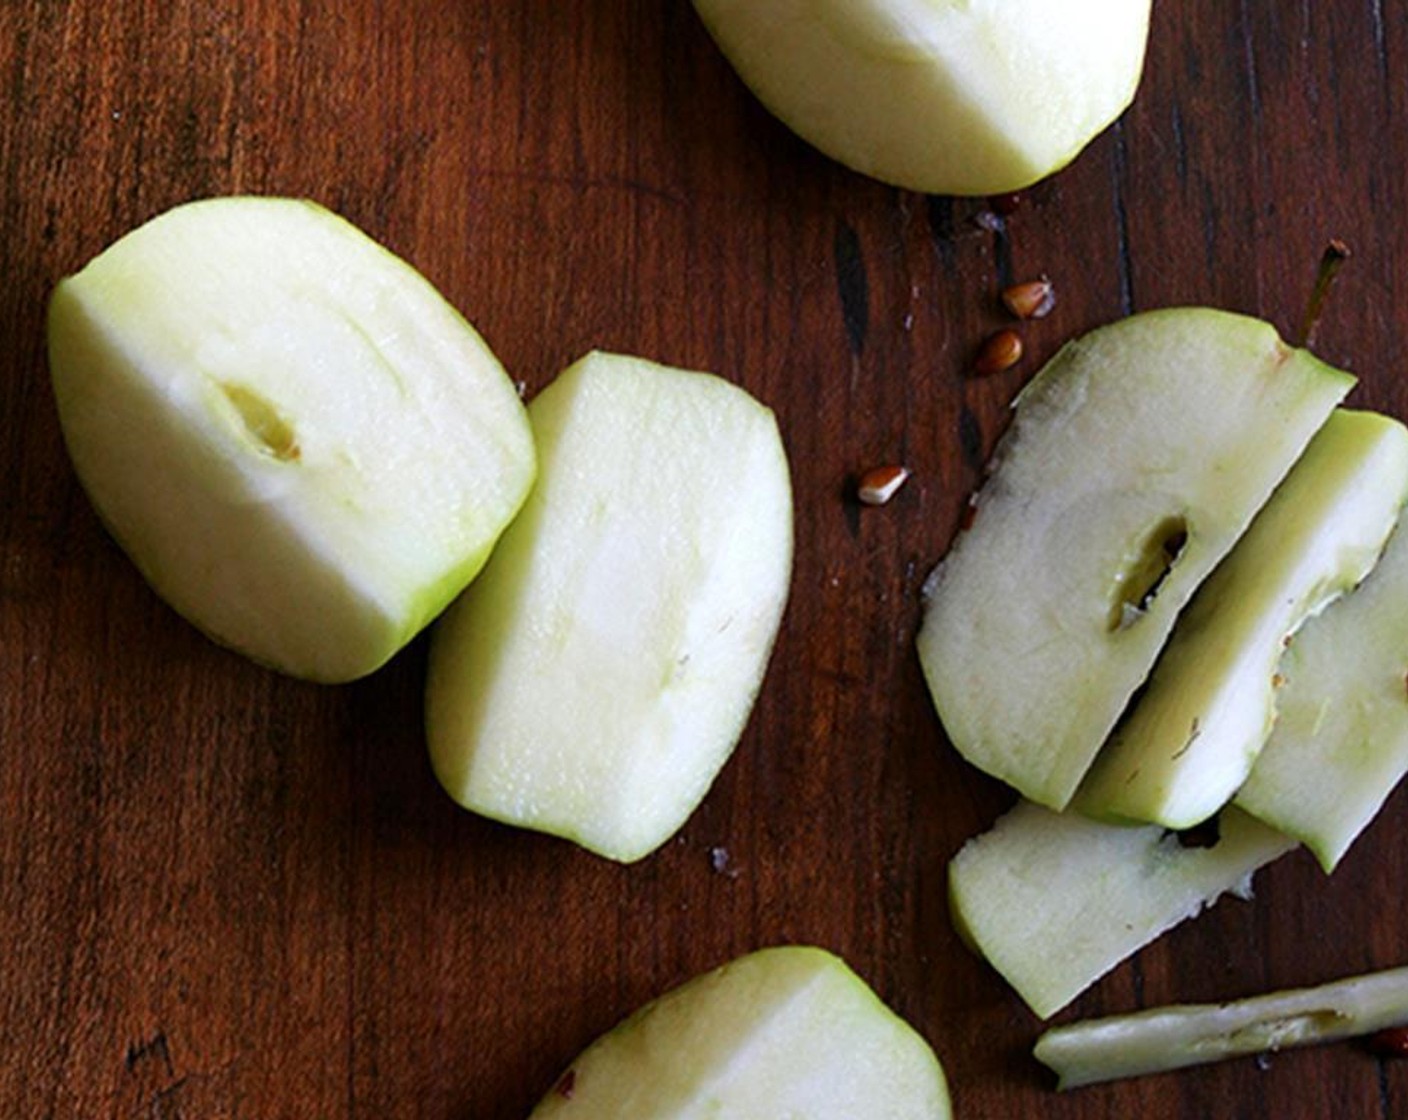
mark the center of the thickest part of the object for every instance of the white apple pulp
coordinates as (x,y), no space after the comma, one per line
(937,95)
(1053,901)
(598,675)
(1154,439)
(1166,1038)
(1340,743)
(783,1032)
(303,447)
(1198,727)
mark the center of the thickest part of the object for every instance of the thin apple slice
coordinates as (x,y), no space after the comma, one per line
(303,447)
(1196,731)
(1054,901)
(784,1032)
(1134,461)
(1169,1038)
(1340,743)
(939,97)
(599,674)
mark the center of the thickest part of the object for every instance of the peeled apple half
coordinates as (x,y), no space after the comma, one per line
(942,96)
(304,448)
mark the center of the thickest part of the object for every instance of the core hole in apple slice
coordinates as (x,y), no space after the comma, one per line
(262,421)
(1144,570)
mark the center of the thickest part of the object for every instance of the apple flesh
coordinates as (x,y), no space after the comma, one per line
(783,1032)
(1053,901)
(1340,743)
(305,450)
(938,96)
(1196,730)
(1135,460)
(598,675)
(1169,1038)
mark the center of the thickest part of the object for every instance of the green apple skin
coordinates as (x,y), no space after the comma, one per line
(783,1032)
(1163,432)
(1196,730)
(305,450)
(1340,743)
(597,676)
(935,95)
(1168,1038)
(1053,901)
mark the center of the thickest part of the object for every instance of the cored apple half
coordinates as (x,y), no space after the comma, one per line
(303,447)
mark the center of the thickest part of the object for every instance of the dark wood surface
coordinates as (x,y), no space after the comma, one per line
(228,894)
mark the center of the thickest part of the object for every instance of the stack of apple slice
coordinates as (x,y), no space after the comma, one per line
(1138,472)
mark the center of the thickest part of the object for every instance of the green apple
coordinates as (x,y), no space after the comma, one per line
(784,1032)
(1175,1037)
(1053,901)
(1340,743)
(595,679)
(937,95)
(1197,728)
(1135,460)
(305,450)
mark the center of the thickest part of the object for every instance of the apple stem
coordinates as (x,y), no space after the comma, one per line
(1331,260)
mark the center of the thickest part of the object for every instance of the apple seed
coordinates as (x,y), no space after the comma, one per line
(879,484)
(1033,299)
(1000,352)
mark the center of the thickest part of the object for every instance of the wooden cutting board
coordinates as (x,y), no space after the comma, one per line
(227,894)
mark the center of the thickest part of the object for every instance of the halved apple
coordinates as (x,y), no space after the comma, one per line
(1340,743)
(784,1032)
(938,96)
(1135,460)
(597,676)
(1166,1038)
(303,447)
(1197,729)
(1053,901)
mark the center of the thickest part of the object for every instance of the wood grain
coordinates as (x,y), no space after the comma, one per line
(227,894)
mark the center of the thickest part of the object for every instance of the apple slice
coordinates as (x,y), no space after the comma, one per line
(1175,1037)
(1136,458)
(598,675)
(1054,901)
(939,97)
(1196,731)
(784,1032)
(303,447)
(1340,743)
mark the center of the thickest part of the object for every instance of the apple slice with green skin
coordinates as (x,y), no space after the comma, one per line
(1053,901)
(783,1032)
(1135,460)
(598,675)
(1340,743)
(1169,1038)
(303,447)
(1196,731)
(935,95)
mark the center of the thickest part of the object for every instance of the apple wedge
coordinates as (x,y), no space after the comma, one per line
(784,1032)
(1169,1038)
(1340,743)
(598,675)
(1053,901)
(942,97)
(1195,732)
(1135,460)
(305,450)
